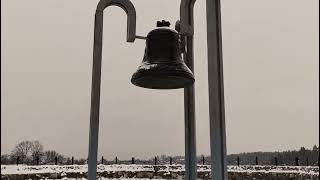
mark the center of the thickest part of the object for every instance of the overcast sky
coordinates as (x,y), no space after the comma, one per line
(271,67)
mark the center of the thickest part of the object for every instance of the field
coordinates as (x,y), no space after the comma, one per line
(155,172)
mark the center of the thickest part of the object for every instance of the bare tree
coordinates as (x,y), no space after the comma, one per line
(5,159)
(81,161)
(36,149)
(22,150)
(49,157)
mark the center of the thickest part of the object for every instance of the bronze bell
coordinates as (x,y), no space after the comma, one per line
(162,66)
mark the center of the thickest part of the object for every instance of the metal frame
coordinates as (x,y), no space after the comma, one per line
(216,91)
(186,17)
(187,31)
(128,7)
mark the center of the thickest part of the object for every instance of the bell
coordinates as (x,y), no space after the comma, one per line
(162,66)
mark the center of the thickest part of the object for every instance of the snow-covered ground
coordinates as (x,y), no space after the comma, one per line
(105,179)
(43,169)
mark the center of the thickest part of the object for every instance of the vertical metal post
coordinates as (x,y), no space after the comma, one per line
(18,159)
(203,160)
(216,92)
(297,161)
(186,28)
(38,160)
(95,96)
(190,124)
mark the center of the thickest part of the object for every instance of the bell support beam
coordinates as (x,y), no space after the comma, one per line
(128,7)
(190,119)
(216,92)
(186,17)
(186,29)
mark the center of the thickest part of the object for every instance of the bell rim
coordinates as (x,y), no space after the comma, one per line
(184,80)
(162,87)
(178,66)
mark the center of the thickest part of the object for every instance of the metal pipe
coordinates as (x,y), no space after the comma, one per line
(190,122)
(141,37)
(186,29)
(128,7)
(216,92)
(95,97)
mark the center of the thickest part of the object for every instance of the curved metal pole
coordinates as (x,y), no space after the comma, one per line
(186,29)
(186,17)
(128,7)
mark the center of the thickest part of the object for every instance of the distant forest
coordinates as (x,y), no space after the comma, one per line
(303,157)
(33,153)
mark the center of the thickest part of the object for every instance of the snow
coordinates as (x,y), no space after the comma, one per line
(103,179)
(307,170)
(43,169)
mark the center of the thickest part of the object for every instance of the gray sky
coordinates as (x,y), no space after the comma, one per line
(271,61)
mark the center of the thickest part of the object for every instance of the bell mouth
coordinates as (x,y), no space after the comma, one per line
(163,76)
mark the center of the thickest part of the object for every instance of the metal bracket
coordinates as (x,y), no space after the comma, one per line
(186,17)
(128,7)
(182,37)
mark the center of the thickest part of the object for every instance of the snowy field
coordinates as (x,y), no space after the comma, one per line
(150,172)
(105,179)
(24,169)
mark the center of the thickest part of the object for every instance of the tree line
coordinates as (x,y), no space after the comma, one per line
(302,157)
(33,153)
